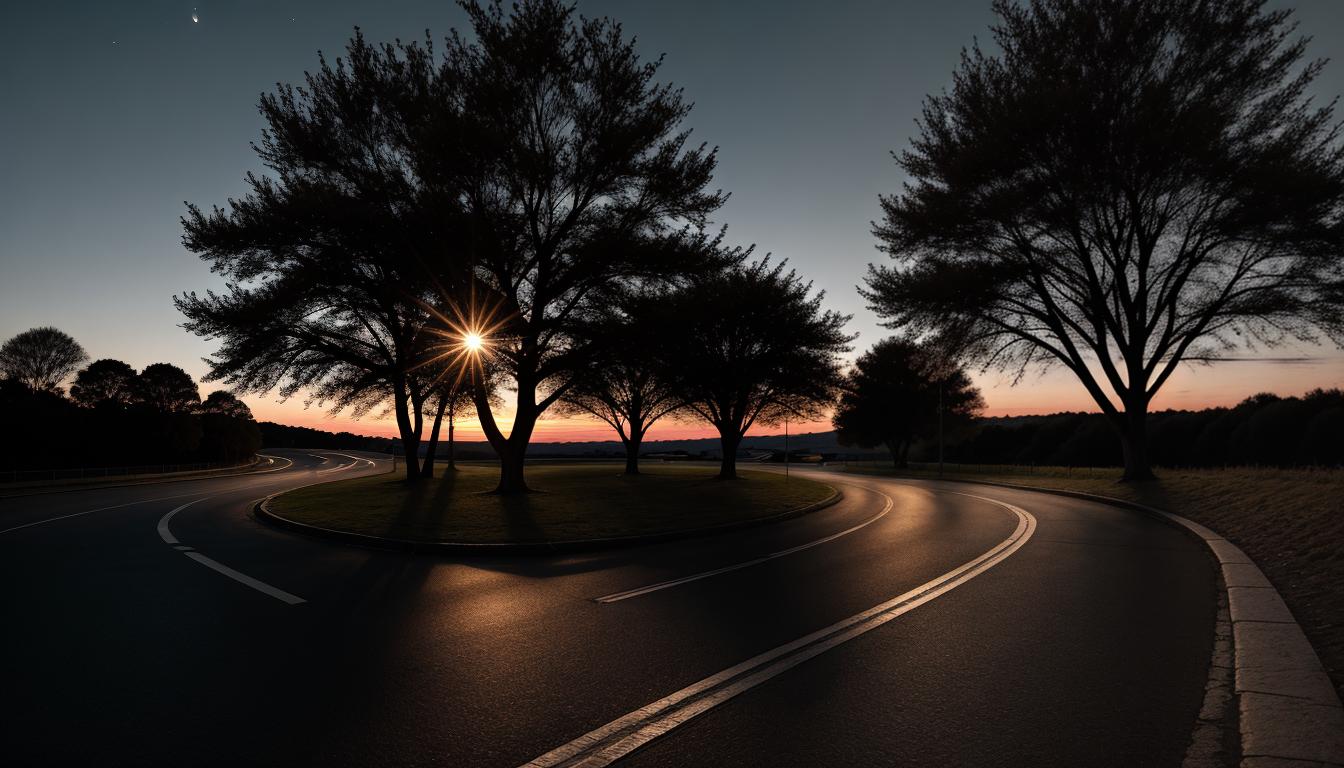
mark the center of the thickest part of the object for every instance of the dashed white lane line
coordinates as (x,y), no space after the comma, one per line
(620,737)
(616,597)
(242,578)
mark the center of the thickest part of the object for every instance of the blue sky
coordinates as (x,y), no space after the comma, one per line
(115,113)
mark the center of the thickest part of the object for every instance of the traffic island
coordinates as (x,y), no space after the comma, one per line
(572,506)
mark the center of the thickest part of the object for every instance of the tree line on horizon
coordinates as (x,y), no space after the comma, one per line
(112,414)
(1264,430)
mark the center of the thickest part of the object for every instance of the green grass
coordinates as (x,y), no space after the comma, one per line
(1291,522)
(569,502)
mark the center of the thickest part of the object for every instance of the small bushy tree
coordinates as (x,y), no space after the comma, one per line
(894,394)
(752,345)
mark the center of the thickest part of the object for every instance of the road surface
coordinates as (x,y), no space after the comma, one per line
(934,624)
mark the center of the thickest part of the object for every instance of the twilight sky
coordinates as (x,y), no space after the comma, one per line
(114,113)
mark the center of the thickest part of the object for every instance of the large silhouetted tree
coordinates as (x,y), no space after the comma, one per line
(334,259)
(1124,185)
(572,150)
(894,395)
(41,358)
(104,382)
(752,346)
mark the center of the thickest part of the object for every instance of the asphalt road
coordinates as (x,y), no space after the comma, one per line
(1078,635)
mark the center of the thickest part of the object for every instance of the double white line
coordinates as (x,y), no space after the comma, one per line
(624,735)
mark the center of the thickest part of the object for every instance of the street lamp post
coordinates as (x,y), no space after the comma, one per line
(940,429)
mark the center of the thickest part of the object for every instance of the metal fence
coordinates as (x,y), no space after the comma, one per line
(86,473)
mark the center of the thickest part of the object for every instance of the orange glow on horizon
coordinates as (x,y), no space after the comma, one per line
(1190,388)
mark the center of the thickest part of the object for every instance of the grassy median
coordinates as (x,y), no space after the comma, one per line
(569,502)
(1291,522)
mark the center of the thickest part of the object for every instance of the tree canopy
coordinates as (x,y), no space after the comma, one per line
(575,150)
(895,394)
(626,385)
(513,168)
(752,345)
(41,358)
(1124,186)
(104,382)
(167,389)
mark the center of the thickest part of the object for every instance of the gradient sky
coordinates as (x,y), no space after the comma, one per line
(114,113)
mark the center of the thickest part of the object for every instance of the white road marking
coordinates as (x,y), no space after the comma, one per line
(99,509)
(242,578)
(273,458)
(370,462)
(626,734)
(323,459)
(638,591)
(166,534)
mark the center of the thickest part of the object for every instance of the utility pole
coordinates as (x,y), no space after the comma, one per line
(786,449)
(940,429)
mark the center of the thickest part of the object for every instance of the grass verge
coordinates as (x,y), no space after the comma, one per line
(569,503)
(1291,522)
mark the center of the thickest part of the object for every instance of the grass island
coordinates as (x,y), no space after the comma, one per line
(569,502)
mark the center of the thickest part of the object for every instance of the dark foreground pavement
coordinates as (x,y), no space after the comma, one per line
(1087,646)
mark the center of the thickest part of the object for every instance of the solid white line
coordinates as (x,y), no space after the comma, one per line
(273,458)
(166,534)
(620,737)
(639,591)
(218,567)
(243,578)
(370,462)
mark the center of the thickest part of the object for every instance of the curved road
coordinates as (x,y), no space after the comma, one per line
(949,624)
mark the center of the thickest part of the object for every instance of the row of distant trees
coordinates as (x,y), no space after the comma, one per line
(112,414)
(1265,430)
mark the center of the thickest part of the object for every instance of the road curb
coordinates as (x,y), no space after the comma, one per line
(263,513)
(1288,709)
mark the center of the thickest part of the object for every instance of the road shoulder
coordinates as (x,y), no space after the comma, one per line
(1287,707)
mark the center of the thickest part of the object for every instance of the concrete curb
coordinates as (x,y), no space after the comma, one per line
(263,513)
(1289,713)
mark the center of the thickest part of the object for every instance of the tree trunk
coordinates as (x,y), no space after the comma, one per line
(904,461)
(632,447)
(632,456)
(1134,441)
(728,440)
(427,469)
(410,433)
(452,458)
(895,450)
(512,450)
(513,453)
